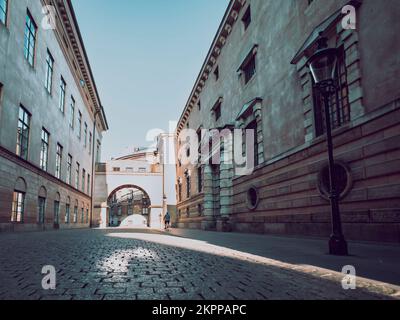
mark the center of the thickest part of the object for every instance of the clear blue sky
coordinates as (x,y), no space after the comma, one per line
(145,57)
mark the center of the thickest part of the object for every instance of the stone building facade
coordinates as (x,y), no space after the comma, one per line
(255,77)
(51,118)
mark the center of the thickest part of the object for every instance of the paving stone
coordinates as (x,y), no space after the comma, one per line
(92,266)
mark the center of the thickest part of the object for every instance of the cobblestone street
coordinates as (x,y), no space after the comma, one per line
(120,264)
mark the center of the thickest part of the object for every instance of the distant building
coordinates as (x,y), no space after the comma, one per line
(255,77)
(137,184)
(51,119)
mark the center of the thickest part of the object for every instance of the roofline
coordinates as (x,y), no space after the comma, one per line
(75,21)
(209,54)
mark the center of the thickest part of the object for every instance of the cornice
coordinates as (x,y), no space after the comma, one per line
(71,42)
(230,18)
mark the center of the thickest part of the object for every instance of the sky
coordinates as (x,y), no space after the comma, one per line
(145,56)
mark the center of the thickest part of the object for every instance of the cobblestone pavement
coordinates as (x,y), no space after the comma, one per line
(111,265)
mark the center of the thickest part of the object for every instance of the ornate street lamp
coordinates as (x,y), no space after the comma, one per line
(323,69)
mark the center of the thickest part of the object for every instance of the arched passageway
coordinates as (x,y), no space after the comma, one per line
(129,201)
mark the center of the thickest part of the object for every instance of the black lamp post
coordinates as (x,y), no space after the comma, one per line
(323,68)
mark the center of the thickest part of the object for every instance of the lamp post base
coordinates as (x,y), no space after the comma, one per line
(338,246)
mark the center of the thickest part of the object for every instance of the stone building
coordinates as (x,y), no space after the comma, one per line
(255,77)
(136,190)
(51,118)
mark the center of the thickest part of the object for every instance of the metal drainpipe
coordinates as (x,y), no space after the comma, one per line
(93,168)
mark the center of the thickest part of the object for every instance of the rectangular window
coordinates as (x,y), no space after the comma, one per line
(253,126)
(90,142)
(87,216)
(246,18)
(59,161)
(82,215)
(85,135)
(3,11)
(188,186)
(77,175)
(83,179)
(30,39)
(41,210)
(56,212)
(67,213)
(217,111)
(98,151)
(249,69)
(200,179)
(69,170)
(180,191)
(18,207)
(216,73)
(63,86)
(88,184)
(23,133)
(72,113)
(338,103)
(79,125)
(44,150)
(49,72)
(75,214)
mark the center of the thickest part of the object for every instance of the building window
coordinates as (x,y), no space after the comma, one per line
(217,110)
(23,133)
(49,72)
(142,170)
(188,186)
(179,191)
(90,143)
(83,179)
(72,113)
(87,216)
(200,179)
(98,151)
(77,176)
(67,213)
(30,39)
(79,125)
(82,216)
(339,102)
(116,169)
(75,214)
(56,212)
(246,18)
(216,73)
(63,86)
(254,127)
(188,212)
(69,169)
(85,134)
(18,207)
(249,69)
(88,184)
(59,161)
(44,151)
(199,105)
(3,11)
(41,209)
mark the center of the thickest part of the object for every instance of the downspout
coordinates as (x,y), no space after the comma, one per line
(93,168)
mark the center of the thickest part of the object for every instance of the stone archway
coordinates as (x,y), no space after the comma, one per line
(129,206)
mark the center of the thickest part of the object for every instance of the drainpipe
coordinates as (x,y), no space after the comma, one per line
(93,168)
